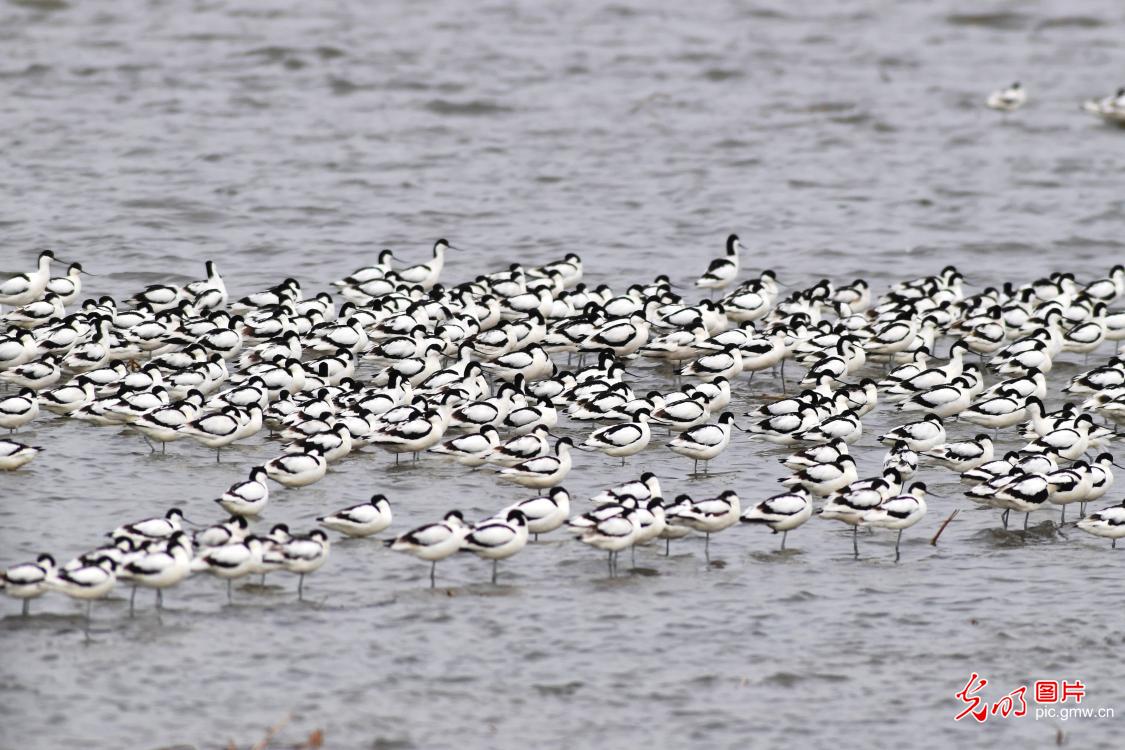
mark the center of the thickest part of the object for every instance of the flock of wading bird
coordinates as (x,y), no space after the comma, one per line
(471,373)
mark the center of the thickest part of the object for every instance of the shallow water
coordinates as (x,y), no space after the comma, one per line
(838,139)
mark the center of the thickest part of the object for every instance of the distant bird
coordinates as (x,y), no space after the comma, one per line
(1009,99)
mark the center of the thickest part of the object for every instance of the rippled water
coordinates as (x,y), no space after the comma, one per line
(838,139)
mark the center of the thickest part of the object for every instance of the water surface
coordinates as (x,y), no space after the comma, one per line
(839,139)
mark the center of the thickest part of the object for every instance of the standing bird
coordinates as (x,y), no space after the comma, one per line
(781,512)
(28,580)
(704,442)
(434,541)
(426,274)
(305,554)
(612,533)
(622,440)
(899,512)
(27,287)
(923,435)
(89,581)
(722,271)
(18,410)
(1108,523)
(706,516)
(159,568)
(235,559)
(497,538)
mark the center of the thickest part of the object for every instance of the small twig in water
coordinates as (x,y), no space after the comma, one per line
(933,542)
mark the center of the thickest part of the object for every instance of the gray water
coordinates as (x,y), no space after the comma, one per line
(839,139)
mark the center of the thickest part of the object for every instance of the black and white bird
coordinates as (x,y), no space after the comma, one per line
(18,410)
(544,513)
(544,471)
(159,567)
(786,429)
(305,554)
(414,435)
(722,271)
(216,429)
(297,469)
(899,512)
(964,455)
(360,520)
(13,455)
(231,561)
(248,497)
(1005,409)
(152,528)
(708,516)
(1009,99)
(641,490)
(496,539)
(1108,523)
(473,449)
(218,534)
(704,442)
(783,512)
(817,454)
(521,448)
(824,479)
(846,426)
(426,274)
(722,364)
(622,440)
(683,413)
(87,582)
(920,436)
(612,532)
(27,287)
(433,542)
(27,581)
